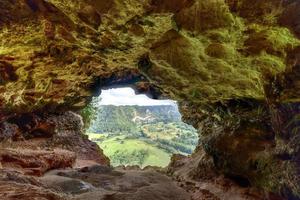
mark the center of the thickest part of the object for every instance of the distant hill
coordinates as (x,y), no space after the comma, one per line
(111,118)
(141,135)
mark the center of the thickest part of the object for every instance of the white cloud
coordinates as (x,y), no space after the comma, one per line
(126,96)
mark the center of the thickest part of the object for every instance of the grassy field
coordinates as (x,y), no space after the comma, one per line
(132,152)
(95,136)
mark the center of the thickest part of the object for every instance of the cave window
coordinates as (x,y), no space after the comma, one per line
(133,129)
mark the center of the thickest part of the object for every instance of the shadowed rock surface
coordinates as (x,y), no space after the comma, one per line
(36,162)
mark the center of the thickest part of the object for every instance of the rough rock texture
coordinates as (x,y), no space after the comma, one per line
(56,49)
(70,136)
(14,191)
(198,175)
(99,182)
(233,65)
(36,162)
(91,183)
(36,143)
(102,182)
(14,186)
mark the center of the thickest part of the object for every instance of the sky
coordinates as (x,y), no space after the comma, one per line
(127,96)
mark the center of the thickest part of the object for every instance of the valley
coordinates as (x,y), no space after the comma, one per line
(141,135)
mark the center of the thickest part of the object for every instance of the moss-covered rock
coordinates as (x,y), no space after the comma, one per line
(208,55)
(57,49)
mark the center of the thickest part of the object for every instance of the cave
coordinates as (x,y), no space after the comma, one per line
(133,129)
(232,66)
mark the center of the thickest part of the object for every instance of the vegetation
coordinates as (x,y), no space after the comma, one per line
(151,140)
(124,151)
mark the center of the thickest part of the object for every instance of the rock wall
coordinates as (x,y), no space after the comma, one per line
(57,49)
(36,143)
(233,65)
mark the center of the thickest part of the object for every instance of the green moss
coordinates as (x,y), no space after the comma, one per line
(210,15)
(219,50)
(220,67)
(223,35)
(274,40)
(268,64)
(88,114)
(282,38)
(265,12)
(206,58)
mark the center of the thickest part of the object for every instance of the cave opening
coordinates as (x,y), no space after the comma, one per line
(134,129)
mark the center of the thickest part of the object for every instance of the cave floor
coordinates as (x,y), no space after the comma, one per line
(65,165)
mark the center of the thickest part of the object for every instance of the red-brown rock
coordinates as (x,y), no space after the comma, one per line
(33,162)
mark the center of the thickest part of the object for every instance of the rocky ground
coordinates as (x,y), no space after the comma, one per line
(233,66)
(38,168)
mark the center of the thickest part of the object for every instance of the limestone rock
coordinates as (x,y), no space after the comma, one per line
(36,162)
(233,66)
(15,186)
(118,184)
(49,132)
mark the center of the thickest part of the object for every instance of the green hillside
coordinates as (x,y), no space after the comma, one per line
(141,135)
(124,151)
